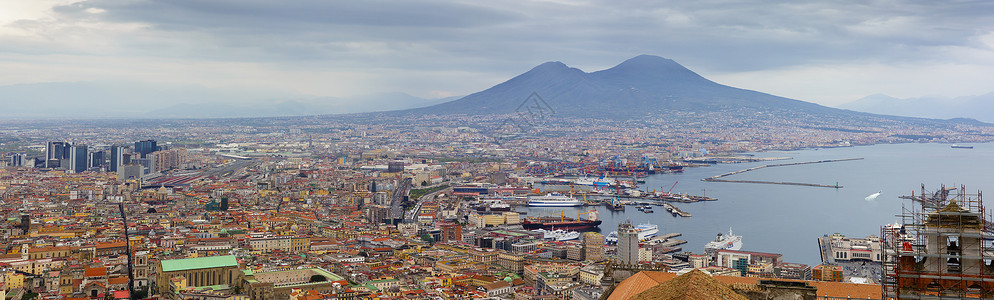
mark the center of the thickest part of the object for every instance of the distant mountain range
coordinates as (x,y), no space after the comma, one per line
(130,100)
(641,87)
(980,107)
(302,107)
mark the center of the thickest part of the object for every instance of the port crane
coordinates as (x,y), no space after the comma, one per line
(592,212)
(648,163)
(667,193)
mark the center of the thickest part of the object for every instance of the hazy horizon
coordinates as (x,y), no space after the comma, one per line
(825,53)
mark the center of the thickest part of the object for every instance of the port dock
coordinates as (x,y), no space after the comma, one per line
(666,243)
(669,236)
(675,211)
(668,207)
(717,178)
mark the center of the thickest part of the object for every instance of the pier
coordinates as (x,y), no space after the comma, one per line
(668,207)
(669,235)
(675,211)
(717,178)
(666,242)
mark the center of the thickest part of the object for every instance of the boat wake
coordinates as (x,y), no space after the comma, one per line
(873,196)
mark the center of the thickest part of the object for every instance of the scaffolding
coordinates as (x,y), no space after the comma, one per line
(940,249)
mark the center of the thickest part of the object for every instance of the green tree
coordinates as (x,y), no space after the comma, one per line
(141,293)
(29,295)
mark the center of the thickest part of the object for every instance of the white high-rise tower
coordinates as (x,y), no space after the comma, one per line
(628,243)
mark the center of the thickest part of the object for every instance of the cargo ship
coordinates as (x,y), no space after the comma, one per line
(961,147)
(562,222)
(615,204)
(556,181)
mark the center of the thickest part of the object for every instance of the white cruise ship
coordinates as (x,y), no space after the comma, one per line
(558,234)
(645,231)
(554,200)
(724,242)
(611,238)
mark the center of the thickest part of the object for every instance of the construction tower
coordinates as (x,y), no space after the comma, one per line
(940,249)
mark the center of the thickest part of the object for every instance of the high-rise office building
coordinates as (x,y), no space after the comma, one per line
(146,163)
(143,148)
(17,160)
(96,159)
(130,171)
(116,158)
(78,158)
(55,152)
(628,243)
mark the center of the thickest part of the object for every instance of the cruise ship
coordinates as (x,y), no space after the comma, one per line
(724,242)
(558,234)
(646,231)
(611,238)
(553,200)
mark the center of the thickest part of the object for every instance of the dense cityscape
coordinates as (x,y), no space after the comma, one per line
(393,208)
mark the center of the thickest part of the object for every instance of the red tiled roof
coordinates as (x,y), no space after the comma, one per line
(95,272)
(645,280)
(117,280)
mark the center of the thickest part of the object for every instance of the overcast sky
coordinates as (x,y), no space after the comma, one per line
(829,53)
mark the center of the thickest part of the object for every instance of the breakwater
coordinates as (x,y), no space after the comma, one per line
(717,178)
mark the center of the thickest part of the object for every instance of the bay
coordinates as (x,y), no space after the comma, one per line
(788,219)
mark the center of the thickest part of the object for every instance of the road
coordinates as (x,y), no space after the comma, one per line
(403,189)
(412,215)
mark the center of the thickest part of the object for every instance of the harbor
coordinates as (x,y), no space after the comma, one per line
(884,168)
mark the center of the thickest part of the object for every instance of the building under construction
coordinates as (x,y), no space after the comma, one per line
(941,248)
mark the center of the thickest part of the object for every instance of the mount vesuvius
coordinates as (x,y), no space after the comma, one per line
(643,86)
